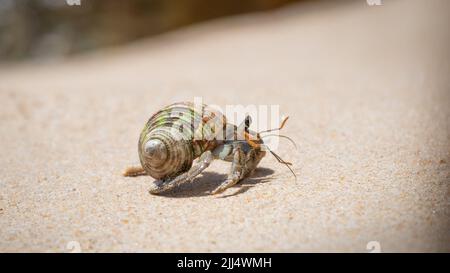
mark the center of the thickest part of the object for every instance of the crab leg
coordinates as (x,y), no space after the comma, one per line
(203,162)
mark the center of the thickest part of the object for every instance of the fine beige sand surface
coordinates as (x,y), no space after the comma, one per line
(368,93)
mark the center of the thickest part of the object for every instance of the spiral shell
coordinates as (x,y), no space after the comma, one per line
(176,135)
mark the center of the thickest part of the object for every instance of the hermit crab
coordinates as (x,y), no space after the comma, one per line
(182,132)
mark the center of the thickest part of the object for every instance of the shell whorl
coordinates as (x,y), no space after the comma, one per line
(175,156)
(169,141)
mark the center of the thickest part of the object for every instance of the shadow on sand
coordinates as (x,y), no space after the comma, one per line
(208,181)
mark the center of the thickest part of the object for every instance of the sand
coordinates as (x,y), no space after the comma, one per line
(367,92)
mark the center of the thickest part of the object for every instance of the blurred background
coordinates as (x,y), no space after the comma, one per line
(54,28)
(366,88)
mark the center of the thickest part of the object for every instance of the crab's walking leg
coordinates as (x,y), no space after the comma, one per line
(251,161)
(243,165)
(134,171)
(237,170)
(203,162)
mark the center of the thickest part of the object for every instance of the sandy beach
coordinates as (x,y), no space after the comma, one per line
(367,90)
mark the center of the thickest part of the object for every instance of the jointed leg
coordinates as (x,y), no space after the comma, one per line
(236,172)
(243,165)
(203,162)
(252,160)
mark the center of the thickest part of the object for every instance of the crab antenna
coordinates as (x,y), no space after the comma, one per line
(283,136)
(276,129)
(279,159)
